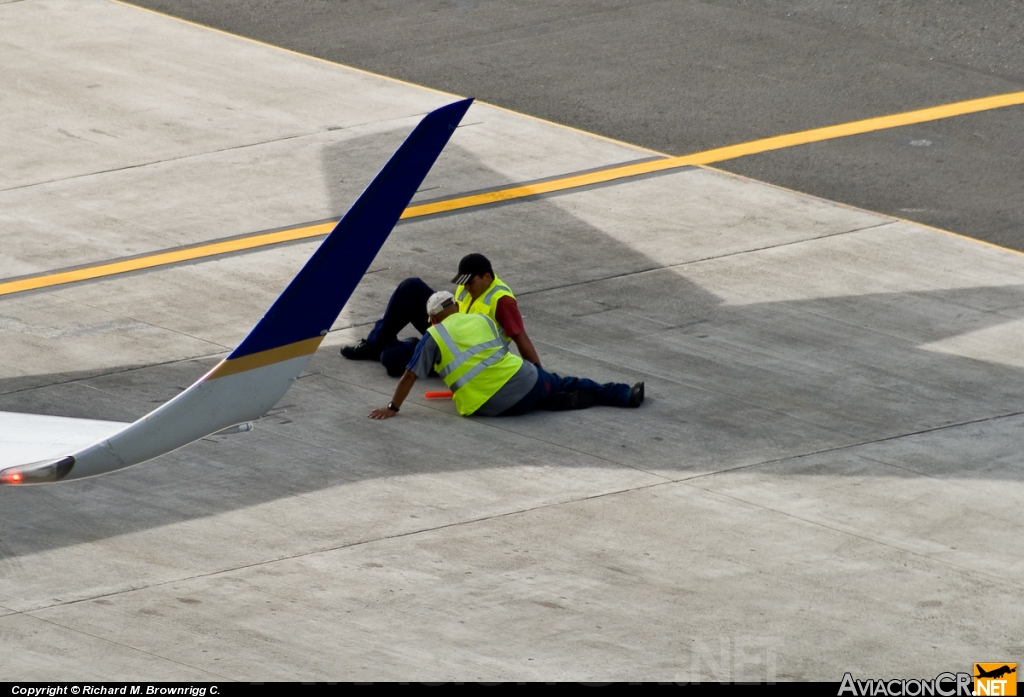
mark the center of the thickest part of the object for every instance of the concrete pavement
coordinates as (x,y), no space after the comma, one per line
(685,76)
(823,478)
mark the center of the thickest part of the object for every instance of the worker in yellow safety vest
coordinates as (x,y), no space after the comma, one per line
(470,354)
(478,291)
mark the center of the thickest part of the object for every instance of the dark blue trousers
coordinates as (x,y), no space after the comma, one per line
(408,305)
(542,396)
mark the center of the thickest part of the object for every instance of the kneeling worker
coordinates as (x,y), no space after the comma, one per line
(469,354)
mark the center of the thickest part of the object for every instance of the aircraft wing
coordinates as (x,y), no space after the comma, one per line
(31,437)
(246,384)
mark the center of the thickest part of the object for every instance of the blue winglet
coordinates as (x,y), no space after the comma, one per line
(313,300)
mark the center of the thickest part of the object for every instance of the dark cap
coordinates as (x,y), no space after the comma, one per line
(472,265)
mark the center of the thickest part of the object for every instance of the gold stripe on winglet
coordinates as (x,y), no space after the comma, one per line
(264,358)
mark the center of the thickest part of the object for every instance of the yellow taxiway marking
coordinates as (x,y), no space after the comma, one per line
(575,181)
(163,258)
(721,154)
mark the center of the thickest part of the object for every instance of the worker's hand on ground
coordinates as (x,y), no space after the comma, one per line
(382,413)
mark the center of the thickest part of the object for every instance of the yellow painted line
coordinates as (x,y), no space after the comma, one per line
(519,192)
(163,259)
(264,358)
(727,153)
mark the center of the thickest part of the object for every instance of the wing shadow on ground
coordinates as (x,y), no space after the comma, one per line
(729,385)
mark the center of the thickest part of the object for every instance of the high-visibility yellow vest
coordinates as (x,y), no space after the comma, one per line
(487,303)
(475,360)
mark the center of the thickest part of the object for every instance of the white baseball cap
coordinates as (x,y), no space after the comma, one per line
(439,301)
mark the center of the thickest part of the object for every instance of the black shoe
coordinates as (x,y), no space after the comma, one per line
(636,395)
(363,351)
(564,401)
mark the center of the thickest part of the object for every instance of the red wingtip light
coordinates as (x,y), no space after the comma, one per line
(38,473)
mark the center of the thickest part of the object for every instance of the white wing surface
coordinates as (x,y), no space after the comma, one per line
(31,437)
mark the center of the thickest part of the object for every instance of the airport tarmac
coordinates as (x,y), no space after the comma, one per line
(684,76)
(822,480)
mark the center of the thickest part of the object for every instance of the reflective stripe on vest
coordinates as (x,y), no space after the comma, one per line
(477,369)
(475,362)
(487,303)
(460,357)
(494,289)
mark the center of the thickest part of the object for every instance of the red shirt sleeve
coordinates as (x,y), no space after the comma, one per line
(507,314)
